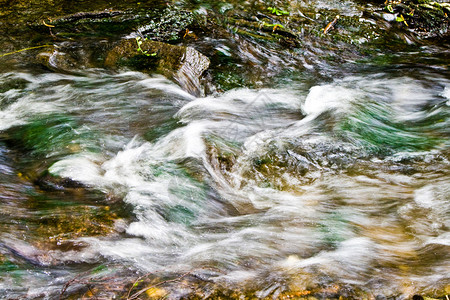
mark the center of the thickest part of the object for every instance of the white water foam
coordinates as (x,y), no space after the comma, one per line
(340,223)
(446,94)
(328,97)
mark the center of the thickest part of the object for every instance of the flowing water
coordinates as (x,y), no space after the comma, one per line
(334,185)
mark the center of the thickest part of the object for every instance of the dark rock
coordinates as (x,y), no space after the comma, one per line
(62,59)
(162,24)
(47,182)
(427,19)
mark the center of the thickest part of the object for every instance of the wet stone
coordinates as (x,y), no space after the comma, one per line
(72,222)
(183,64)
(428,19)
(47,182)
(162,24)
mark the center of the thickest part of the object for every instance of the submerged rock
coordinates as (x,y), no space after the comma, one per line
(66,58)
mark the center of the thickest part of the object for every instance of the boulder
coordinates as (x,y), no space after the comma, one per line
(183,64)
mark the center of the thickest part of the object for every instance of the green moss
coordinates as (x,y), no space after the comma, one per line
(228,80)
(162,24)
(168,25)
(65,223)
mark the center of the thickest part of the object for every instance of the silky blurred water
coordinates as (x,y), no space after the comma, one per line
(300,186)
(313,169)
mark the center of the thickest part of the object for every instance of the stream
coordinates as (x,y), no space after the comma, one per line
(321,179)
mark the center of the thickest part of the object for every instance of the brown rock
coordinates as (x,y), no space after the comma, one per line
(185,65)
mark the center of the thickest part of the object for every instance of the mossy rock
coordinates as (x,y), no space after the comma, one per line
(183,64)
(66,223)
(162,24)
(428,19)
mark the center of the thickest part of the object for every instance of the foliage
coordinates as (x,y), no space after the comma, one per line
(25,49)
(276,11)
(273,26)
(389,8)
(139,42)
(400,18)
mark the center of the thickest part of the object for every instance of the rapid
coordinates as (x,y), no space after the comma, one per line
(330,183)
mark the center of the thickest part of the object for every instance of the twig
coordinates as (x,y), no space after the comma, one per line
(25,49)
(92,292)
(331,25)
(48,25)
(66,286)
(137,294)
(136,283)
(76,280)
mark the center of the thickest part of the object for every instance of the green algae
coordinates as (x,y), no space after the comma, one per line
(377,131)
(7,265)
(162,129)
(53,135)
